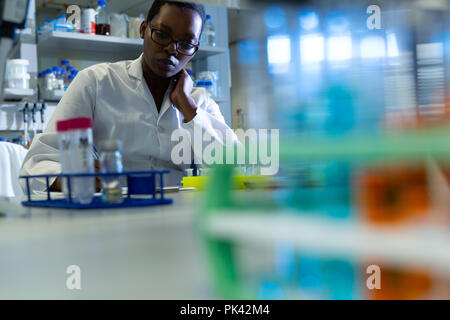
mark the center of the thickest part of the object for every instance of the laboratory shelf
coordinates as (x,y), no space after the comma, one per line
(83,46)
(403,145)
(17,94)
(406,245)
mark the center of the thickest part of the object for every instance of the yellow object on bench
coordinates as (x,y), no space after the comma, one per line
(241,182)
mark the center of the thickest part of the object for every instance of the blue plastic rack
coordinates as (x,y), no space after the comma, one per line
(140,183)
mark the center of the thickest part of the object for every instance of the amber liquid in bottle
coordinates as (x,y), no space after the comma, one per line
(103,29)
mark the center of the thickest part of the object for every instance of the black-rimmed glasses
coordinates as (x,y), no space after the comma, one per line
(163,39)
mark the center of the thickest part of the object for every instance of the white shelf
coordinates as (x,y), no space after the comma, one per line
(17,94)
(427,246)
(85,46)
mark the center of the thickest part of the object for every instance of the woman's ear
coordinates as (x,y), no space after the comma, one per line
(142,29)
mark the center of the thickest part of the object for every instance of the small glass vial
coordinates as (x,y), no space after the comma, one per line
(111,162)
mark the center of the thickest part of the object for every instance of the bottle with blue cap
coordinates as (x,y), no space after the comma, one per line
(50,79)
(65,64)
(209,33)
(209,87)
(102,19)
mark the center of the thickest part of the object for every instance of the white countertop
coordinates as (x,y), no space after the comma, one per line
(132,253)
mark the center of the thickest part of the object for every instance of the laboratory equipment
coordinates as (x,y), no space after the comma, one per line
(119,25)
(82,159)
(102,19)
(12,16)
(111,162)
(134,25)
(209,33)
(17,67)
(64,145)
(88,21)
(62,24)
(20,82)
(140,183)
(17,75)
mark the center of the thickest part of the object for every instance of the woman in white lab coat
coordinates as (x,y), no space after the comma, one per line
(138,102)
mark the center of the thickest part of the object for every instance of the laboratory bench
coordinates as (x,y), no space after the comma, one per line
(130,253)
(206,245)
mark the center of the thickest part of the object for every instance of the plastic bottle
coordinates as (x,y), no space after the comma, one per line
(70,79)
(209,33)
(59,80)
(65,64)
(209,87)
(50,80)
(111,162)
(82,159)
(102,19)
(64,144)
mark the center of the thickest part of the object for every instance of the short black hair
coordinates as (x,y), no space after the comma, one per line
(157,4)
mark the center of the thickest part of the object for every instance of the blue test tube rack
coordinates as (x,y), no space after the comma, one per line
(140,183)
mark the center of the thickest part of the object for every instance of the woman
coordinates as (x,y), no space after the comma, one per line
(139,102)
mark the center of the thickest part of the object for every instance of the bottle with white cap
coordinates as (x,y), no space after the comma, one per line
(82,159)
(111,162)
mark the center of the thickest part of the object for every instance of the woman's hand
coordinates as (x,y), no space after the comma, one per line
(181,95)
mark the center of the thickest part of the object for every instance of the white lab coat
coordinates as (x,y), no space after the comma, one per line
(11,159)
(118,99)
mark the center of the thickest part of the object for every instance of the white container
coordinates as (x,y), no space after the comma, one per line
(64,145)
(133,27)
(88,21)
(16,68)
(82,159)
(21,82)
(119,25)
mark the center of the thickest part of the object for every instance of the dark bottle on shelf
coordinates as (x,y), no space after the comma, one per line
(102,19)
(103,29)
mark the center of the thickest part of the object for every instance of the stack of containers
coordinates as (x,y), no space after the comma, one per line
(17,76)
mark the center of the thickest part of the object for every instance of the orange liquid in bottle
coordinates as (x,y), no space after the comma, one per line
(393,194)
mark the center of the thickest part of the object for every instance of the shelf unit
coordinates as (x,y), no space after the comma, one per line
(88,49)
(84,46)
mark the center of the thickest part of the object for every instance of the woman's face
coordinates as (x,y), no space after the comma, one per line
(181,25)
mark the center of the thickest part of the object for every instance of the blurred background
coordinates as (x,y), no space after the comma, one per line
(359,91)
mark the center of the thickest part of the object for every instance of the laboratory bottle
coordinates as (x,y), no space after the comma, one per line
(111,162)
(64,143)
(209,33)
(82,159)
(50,80)
(102,19)
(56,72)
(209,87)
(70,79)
(61,79)
(65,64)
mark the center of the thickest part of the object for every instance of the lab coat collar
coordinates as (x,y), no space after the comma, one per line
(135,71)
(135,68)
